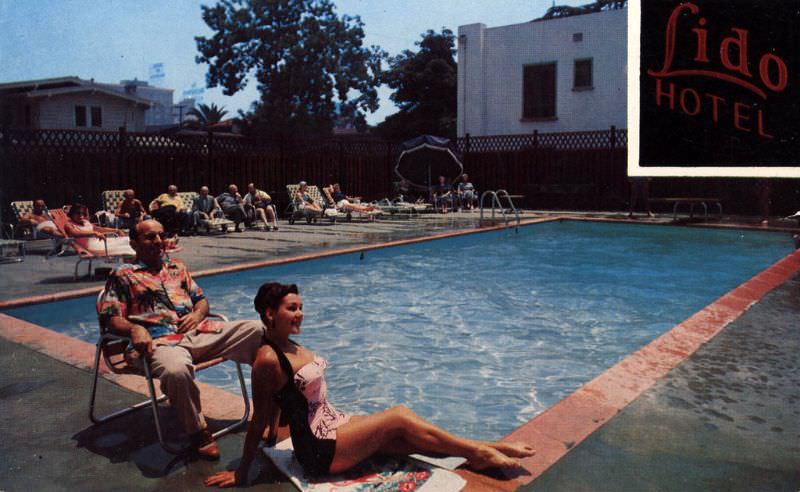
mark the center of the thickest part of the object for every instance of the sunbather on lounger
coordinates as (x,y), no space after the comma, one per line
(304,199)
(343,202)
(289,385)
(39,219)
(93,238)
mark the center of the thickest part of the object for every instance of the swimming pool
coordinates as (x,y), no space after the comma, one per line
(480,333)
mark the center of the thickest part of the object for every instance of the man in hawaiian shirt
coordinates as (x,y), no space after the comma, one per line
(156,303)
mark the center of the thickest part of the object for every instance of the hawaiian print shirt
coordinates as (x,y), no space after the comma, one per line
(153,300)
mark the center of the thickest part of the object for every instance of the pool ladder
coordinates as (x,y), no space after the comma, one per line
(496,204)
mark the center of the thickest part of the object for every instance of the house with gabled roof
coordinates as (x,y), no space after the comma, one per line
(71,103)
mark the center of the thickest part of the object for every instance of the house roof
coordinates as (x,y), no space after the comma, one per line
(59,86)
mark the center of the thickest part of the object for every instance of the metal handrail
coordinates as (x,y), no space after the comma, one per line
(495,197)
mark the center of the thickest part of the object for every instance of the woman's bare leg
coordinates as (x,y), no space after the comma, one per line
(399,430)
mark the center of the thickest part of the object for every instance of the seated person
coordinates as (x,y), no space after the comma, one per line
(156,303)
(95,239)
(304,201)
(288,382)
(261,203)
(442,195)
(233,207)
(466,192)
(205,207)
(343,202)
(130,211)
(40,221)
(168,208)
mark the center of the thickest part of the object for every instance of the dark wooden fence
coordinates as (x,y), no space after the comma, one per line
(580,170)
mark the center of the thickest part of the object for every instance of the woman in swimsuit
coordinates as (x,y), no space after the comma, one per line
(289,387)
(305,201)
(95,239)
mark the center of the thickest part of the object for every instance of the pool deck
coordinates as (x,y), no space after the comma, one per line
(712,404)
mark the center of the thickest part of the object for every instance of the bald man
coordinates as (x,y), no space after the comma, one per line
(205,207)
(168,208)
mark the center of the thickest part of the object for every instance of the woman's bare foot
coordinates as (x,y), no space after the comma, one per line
(513,449)
(488,457)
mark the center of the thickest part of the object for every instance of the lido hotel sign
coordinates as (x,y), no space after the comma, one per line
(718,88)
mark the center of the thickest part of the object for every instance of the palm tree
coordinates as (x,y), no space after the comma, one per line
(205,115)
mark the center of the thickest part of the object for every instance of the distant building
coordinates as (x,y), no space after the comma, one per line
(160,111)
(564,72)
(70,103)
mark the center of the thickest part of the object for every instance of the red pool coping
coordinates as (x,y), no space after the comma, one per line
(553,432)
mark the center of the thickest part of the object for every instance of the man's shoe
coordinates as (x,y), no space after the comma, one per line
(206,446)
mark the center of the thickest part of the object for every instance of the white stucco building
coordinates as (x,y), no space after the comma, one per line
(552,75)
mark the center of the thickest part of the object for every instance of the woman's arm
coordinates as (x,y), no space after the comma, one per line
(72,231)
(266,379)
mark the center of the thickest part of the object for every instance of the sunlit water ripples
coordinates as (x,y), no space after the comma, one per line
(481,333)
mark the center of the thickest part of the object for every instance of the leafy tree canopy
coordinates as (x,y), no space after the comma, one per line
(311,67)
(425,89)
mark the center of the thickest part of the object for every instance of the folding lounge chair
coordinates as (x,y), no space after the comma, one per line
(60,219)
(349,214)
(111,200)
(295,211)
(220,223)
(112,348)
(22,208)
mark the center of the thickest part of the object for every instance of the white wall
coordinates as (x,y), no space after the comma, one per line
(490,65)
(58,112)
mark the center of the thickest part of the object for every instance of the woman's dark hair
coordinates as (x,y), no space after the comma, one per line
(75,208)
(270,295)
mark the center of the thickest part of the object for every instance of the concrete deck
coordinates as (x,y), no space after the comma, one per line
(620,432)
(728,418)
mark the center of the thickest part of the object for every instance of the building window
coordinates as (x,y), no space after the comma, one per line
(97,116)
(80,116)
(577,37)
(583,74)
(539,91)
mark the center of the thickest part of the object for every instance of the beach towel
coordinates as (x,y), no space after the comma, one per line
(378,474)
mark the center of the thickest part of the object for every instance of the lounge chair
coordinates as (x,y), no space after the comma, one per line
(400,207)
(60,219)
(112,348)
(111,200)
(220,224)
(32,237)
(295,211)
(327,201)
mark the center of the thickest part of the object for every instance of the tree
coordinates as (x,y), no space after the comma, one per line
(205,115)
(425,89)
(311,67)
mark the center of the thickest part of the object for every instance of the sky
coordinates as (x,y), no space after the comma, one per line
(113,40)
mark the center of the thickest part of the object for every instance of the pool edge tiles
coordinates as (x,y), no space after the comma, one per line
(564,425)
(71,294)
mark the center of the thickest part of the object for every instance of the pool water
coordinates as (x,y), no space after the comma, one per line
(480,333)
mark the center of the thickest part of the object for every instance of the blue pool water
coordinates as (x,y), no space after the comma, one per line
(480,333)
